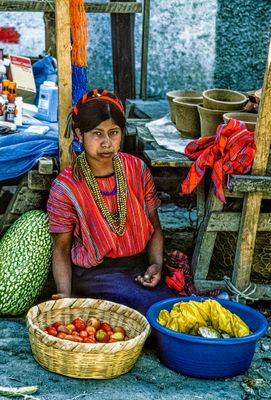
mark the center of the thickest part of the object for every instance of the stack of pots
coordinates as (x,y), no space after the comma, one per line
(217,102)
(183,111)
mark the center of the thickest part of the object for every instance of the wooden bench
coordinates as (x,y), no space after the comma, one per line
(253,189)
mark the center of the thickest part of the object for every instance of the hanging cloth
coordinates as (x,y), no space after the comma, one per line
(79,32)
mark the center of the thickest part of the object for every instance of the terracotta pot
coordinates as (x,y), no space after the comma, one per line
(248,118)
(180,93)
(224,99)
(187,116)
(209,120)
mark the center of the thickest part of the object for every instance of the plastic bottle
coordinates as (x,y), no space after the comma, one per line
(12,91)
(10,111)
(48,102)
(5,85)
(18,111)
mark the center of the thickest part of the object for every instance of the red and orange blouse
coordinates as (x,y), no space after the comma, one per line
(71,207)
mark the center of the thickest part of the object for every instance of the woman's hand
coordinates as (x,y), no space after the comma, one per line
(152,276)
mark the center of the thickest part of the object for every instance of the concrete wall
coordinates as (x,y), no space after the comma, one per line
(182,45)
(193,44)
(242,36)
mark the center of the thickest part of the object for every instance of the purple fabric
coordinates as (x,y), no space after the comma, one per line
(114,280)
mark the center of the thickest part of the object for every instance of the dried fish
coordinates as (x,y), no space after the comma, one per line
(209,332)
(225,336)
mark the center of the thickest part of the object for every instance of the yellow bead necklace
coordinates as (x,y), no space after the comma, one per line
(117,220)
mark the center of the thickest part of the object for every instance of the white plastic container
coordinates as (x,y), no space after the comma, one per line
(48,102)
(18,111)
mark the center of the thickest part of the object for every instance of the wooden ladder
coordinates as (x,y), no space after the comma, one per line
(253,189)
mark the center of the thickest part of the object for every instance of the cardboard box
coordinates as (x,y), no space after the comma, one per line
(22,73)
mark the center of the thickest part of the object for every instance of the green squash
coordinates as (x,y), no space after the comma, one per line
(25,260)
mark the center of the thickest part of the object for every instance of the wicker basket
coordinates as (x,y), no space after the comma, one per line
(83,360)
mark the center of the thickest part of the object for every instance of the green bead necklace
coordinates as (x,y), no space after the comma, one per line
(117,220)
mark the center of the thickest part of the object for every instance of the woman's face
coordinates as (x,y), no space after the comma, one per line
(103,142)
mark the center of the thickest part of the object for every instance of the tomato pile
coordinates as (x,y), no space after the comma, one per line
(92,331)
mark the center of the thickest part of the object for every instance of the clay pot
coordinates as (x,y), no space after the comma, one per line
(187,116)
(248,118)
(209,120)
(180,93)
(224,99)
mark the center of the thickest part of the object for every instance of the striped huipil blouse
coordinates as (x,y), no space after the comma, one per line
(71,207)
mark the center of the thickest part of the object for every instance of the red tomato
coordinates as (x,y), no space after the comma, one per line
(112,340)
(91,330)
(71,327)
(105,327)
(83,334)
(93,321)
(79,324)
(102,336)
(63,328)
(51,330)
(118,336)
(73,338)
(89,340)
(56,324)
(119,329)
(61,335)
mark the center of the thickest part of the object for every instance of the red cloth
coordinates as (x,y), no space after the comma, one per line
(230,151)
(180,278)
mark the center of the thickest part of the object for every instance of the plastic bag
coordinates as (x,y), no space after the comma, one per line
(188,317)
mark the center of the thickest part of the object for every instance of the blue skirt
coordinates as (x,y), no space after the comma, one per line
(114,280)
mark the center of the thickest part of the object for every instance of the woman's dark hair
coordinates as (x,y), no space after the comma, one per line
(95,107)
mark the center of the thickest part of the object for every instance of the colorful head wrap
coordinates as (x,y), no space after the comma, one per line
(98,94)
(93,95)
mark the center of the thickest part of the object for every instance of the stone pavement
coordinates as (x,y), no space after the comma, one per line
(149,379)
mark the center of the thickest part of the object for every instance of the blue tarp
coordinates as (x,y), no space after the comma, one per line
(20,151)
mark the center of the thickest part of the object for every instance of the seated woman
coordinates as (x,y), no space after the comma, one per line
(108,242)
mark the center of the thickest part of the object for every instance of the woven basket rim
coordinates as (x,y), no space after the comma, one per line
(85,347)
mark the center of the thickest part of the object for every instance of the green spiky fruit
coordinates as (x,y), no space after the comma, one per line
(25,260)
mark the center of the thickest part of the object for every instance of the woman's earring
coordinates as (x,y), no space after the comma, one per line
(81,147)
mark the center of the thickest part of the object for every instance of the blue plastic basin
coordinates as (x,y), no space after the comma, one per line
(207,358)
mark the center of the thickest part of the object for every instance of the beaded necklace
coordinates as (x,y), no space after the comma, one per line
(117,220)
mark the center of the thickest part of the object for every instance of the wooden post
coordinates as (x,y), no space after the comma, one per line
(50,33)
(252,201)
(122,26)
(145,49)
(62,14)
